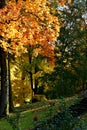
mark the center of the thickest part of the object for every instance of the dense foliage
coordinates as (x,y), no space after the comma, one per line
(69,74)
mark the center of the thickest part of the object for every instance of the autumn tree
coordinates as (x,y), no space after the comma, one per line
(3,68)
(22,24)
(26,24)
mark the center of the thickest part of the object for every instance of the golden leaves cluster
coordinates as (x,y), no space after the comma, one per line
(28,22)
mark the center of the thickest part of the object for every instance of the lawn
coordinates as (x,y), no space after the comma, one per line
(30,115)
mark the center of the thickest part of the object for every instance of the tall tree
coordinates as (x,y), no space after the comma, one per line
(3,74)
(72,45)
(31,66)
(28,23)
(70,50)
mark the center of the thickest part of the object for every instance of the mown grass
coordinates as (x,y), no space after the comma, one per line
(23,117)
(4,125)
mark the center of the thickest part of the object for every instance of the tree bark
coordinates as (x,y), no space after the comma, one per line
(35,80)
(2,3)
(5,79)
(3,96)
(30,61)
(34,70)
(3,83)
(9,96)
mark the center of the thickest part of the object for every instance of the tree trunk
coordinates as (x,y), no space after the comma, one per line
(2,3)
(10,101)
(30,62)
(36,87)
(3,75)
(6,92)
(33,82)
(3,83)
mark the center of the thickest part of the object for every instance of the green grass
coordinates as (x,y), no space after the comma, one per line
(82,122)
(84,117)
(4,125)
(42,110)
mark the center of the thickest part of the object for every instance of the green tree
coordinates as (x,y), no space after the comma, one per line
(34,66)
(70,50)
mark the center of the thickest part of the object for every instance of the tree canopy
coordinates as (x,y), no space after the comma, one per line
(26,23)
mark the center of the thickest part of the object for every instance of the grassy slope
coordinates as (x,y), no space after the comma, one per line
(42,110)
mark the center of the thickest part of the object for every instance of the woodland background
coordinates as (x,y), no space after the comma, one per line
(43,50)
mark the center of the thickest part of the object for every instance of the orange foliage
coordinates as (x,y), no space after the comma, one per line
(63,2)
(28,23)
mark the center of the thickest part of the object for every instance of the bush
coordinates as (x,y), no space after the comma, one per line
(38,97)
